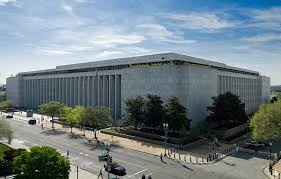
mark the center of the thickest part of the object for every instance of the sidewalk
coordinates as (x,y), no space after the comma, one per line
(200,157)
(73,171)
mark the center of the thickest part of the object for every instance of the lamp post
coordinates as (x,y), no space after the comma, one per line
(270,148)
(215,146)
(166,127)
(248,125)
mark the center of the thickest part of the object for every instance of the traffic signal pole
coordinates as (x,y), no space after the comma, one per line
(108,163)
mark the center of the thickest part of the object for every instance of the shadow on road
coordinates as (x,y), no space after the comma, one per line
(51,132)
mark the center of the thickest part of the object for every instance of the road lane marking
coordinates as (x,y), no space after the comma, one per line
(136,173)
(128,162)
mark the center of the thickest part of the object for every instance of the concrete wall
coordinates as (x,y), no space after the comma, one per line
(202,87)
(13,90)
(265,87)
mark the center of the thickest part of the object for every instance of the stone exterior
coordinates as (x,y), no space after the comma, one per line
(110,82)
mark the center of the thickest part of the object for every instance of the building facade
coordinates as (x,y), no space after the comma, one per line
(108,83)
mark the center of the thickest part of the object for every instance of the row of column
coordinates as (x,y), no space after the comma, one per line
(104,90)
(245,88)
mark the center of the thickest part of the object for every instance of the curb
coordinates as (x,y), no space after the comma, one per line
(264,173)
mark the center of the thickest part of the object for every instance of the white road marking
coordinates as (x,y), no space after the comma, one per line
(149,174)
(136,173)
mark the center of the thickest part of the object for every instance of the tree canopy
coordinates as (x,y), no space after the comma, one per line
(6,104)
(175,114)
(5,131)
(266,122)
(52,109)
(153,111)
(135,108)
(227,110)
(73,116)
(41,162)
(97,117)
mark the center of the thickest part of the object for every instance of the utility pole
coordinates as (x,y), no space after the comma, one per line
(166,127)
(77,172)
(108,162)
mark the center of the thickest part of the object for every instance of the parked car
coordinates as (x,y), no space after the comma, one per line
(250,147)
(116,169)
(32,122)
(258,144)
(9,116)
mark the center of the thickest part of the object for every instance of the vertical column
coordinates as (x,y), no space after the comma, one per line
(106,90)
(66,91)
(84,91)
(90,90)
(95,90)
(71,92)
(100,84)
(56,89)
(81,90)
(27,93)
(62,90)
(76,94)
(118,96)
(112,94)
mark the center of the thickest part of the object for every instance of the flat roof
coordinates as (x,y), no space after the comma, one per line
(143,59)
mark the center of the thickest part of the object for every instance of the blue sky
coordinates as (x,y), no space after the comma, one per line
(41,34)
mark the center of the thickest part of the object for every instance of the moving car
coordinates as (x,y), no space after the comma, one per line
(32,122)
(258,144)
(116,169)
(9,116)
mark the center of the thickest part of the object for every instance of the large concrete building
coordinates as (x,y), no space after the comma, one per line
(110,82)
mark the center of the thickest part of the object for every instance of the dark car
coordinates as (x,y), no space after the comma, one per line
(9,116)
(250,147)
(116,169)
(32,121)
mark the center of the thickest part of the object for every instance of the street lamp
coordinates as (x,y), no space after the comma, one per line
(270,148)
(215,146)
(166,127)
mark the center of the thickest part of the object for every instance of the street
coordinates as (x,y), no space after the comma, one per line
(85,155)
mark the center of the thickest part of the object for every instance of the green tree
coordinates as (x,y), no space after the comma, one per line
(6,131)
(135,108)
(6,104)
(175,114)
(71,116)
(153,111)
(227,110)
(97,117)
(52,109)
(41,162)
(266,122)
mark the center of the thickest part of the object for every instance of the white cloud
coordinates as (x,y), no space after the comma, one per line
(67,8)
(53,52)
(201,21)
(117,39)
(263,38)
(159,32)
(265,19)
(5,2)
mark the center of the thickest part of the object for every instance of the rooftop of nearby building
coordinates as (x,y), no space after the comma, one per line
(145,59)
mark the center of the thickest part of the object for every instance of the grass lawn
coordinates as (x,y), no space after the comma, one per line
(3,148)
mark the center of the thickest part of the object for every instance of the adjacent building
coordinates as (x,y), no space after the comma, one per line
(108,83)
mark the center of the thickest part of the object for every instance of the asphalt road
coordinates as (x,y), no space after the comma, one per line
(85,155)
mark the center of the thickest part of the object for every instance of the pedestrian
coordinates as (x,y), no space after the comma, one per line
(143,176)
(149,177)
(100,175)
(270,169)
(161,157)
(67,153)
